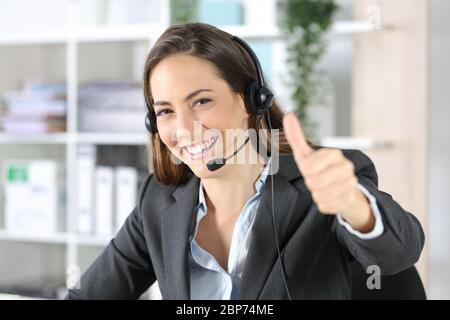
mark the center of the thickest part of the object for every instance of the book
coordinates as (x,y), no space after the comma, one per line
(32,123)
(86,155)
(37,108)
(126,182)
(104,177)
(111,106)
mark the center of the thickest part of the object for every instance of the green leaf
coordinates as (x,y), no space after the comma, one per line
(304,24)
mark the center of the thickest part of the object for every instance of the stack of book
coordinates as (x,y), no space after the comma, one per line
(106,194)
(111,106)
(37,108)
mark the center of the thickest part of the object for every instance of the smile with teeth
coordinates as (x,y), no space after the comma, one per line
(198,149)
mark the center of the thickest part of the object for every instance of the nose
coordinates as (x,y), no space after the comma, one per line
(184,126)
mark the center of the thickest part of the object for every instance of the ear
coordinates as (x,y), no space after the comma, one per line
(241,102)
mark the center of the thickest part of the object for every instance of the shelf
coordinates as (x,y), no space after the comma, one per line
(253,32)
(361,26)
(354,143)
(117,33)
(151,31)
(86,240)
(63,138)
(113,138)
(56,238)
(339,27)
(31,38)
(92,34)
(33,138)
(121,33)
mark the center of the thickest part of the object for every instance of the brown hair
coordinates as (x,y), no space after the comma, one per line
(233,64)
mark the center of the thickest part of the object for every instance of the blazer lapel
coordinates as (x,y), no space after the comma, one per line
(290,205)
(177,221)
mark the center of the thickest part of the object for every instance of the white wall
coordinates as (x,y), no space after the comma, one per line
(439,207)
(335,117)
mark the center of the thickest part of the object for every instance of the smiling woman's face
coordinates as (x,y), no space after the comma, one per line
(187,89)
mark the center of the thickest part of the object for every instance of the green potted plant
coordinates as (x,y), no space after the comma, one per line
(304,24)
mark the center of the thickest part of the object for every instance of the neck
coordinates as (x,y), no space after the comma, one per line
(227,194)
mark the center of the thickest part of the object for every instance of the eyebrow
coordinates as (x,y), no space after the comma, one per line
(189,96)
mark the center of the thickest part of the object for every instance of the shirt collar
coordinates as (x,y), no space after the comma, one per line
(258,184)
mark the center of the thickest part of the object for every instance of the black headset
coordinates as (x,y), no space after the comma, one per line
(259,99)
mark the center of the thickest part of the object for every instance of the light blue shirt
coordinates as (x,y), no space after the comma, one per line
(209,280)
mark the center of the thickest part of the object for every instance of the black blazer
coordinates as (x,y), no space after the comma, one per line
(316,249)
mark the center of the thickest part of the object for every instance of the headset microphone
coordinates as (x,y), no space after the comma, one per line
(216,164)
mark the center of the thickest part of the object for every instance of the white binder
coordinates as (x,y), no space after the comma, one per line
(104,179)
(85,188)
(126,180)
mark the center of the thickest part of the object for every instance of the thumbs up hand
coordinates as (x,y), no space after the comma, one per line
(330,178)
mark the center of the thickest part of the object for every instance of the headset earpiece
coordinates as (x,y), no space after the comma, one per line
(150,121)
(258,99)
(250,97)
(264,98)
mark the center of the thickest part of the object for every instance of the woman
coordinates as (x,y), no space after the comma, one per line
(212,234)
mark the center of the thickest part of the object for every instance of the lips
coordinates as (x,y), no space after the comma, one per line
(198,149)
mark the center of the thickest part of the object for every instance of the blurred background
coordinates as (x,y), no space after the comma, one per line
(363,74)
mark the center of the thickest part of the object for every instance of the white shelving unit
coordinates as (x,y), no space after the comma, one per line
(70,41)
(73,40)
(355,143)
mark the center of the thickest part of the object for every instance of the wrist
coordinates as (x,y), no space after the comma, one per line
(360,215)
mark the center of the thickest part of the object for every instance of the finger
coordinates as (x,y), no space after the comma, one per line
(338,205)
(326,159)
(334,191)
(295,136)
(320,160)
(329,208)
(322,180)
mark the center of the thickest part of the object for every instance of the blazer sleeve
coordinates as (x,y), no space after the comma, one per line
(402,241)
(124,269)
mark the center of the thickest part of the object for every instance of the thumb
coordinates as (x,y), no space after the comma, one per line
(295,136)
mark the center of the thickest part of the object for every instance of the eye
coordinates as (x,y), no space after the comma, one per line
(163,112)
(202,100)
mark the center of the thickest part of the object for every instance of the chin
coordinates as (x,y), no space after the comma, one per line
(201,170)
(199,166)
